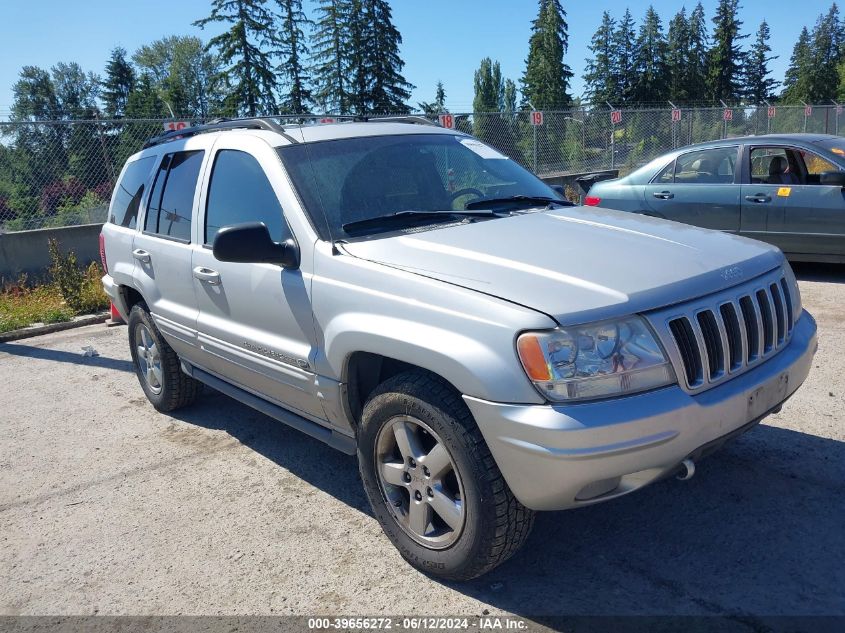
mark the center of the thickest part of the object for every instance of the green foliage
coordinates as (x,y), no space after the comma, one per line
(600,76)
(119,82)
(248,68)
(66,274)
(725,57)
(625,55)
(545,83)
(759,86)
(293,52)
(438,106)
(650,61)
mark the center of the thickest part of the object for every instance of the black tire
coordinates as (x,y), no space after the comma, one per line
(176,389)
(495,523)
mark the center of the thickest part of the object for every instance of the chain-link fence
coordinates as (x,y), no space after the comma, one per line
(61,173)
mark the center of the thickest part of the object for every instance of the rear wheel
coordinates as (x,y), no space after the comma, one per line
(432,482)
(156,364)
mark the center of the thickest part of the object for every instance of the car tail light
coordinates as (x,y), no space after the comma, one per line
(592,201)
(103,253)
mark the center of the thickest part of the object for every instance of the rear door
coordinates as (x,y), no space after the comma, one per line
(700,187)
(256,327)
(162,250)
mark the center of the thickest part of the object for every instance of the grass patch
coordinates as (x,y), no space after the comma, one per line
(23,304)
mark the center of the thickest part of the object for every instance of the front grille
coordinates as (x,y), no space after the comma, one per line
(731,332)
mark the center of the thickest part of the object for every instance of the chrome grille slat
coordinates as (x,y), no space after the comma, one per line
(723,335)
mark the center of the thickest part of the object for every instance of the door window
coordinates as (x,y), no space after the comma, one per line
(707,166)
(130,191)
(240,192)
(172,199)
(816,165)
(762,162)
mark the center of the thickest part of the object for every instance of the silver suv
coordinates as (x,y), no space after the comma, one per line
(408,293)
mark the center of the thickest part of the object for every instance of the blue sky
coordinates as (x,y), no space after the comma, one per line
(442,39)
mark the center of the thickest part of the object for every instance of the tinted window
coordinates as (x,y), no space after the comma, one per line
(708,166)
(173,195)
(130,191)
(761,160)
(816,164)
(667,174)
(240,192)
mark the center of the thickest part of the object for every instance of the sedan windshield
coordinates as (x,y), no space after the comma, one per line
(411,180)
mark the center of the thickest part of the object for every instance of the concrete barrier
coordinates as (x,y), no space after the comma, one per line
(26,252)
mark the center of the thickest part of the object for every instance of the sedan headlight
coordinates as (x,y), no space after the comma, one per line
(595,361)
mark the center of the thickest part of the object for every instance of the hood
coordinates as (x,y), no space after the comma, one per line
(578,264)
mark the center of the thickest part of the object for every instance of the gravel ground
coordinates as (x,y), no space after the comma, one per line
(109,507)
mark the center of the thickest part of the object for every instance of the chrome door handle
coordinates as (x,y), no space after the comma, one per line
(663,195)
(760,197)
(207,275)
(141,255)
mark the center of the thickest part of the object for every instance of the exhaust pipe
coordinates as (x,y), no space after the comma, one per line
(687,470)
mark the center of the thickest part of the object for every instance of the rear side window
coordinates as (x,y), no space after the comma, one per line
(130,191)
(708,166)
(172,199)
(240,192)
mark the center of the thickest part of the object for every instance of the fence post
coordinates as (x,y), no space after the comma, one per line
(534,127)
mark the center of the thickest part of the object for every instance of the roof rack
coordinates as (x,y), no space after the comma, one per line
(270,124)
(217,125)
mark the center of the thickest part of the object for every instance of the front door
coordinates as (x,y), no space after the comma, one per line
(698,188)
(255,325)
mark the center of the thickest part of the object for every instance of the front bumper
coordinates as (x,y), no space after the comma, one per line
(561,456)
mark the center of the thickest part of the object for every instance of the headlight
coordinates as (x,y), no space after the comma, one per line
(595,361)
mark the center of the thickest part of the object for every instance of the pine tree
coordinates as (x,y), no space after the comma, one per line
(242,48)
(388,89)
(625,54)
(678,56)
(292,50)
(600,76)
(826,54)
(330,46)
(759,86)
(545,83)
(144,101)
(724,67)
(696,82)
(120,79)
(796,84)
(651,84)
(438,106)
(489,88)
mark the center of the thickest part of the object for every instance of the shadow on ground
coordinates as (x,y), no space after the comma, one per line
(59,356)
(758,531)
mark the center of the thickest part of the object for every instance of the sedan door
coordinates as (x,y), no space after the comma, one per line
(255,324)
(700,188)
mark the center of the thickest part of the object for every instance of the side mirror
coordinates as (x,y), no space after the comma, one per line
(833,178)
(250,243)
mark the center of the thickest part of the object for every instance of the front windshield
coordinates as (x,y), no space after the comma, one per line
(344,181)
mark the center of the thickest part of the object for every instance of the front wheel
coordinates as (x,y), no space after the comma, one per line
(432,482)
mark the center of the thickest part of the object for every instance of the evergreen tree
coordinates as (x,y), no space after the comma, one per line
(651,84)
(724,67)
(759,86)
(438,106)
(678,56)
(600,77)
(796,84)
(296,98)
(826,54)
(144,101)
(625,54)
(388,91)
(696,77)
(330,45)
(489,98)
(120,79)
(249,70)
(545,82)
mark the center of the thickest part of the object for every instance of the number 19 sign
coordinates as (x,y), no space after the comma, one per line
(536,118)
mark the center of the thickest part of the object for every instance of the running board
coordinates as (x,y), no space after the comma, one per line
(334,439)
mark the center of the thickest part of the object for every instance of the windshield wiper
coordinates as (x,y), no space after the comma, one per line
(403,216)
(519,200)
